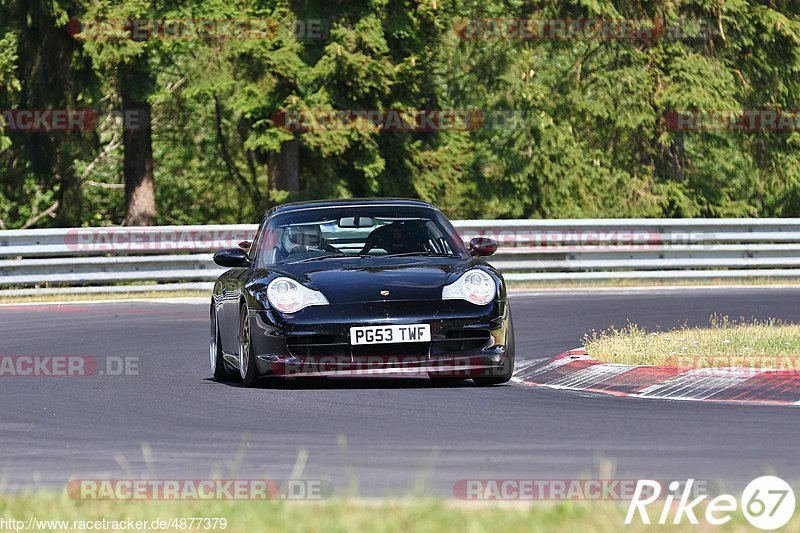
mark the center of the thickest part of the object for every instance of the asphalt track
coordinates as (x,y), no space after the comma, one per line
(372,437)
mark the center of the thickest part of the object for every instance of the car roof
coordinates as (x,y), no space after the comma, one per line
(348,202)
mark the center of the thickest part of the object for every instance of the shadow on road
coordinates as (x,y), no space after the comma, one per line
(351,383)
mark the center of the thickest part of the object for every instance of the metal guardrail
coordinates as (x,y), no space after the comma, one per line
(114,259)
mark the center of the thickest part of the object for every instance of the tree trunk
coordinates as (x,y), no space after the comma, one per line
(70,200)
(284,167)
(136,84)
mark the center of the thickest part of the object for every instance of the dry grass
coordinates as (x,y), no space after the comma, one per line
(742,343)
(133,295)
(343,515)
(629,283)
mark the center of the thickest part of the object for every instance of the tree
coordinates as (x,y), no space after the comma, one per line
(128,51)
(136,85)
(42,68)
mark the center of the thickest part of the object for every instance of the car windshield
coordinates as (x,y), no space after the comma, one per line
(370,231)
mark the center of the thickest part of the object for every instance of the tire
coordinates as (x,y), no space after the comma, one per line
(218,365)
(503,373)
(247,363)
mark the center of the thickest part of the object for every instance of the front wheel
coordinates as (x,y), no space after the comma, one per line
(247,364)
(503,373)
(218,366)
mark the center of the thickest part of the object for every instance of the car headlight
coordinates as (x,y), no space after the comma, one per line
(474,286)
(288,296)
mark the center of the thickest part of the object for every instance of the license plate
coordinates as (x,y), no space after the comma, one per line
(390,334)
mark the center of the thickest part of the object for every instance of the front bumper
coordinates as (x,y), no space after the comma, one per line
(466,340)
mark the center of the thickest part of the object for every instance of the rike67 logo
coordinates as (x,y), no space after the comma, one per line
(767,503)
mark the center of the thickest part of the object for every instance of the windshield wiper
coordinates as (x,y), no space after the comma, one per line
(328,256)
(426,254)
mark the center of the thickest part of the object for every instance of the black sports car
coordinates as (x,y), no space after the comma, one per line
(360,287)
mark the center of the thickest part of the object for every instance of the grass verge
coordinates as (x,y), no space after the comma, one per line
(423,515)
(103,296)
(755,344)
(623,283)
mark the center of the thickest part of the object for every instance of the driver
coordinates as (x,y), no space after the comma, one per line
(297,239)
(397,238)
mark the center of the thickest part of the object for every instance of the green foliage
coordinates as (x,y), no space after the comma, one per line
(10,83)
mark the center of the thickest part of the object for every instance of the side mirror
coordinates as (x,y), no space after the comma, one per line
(482,246)
(235,257)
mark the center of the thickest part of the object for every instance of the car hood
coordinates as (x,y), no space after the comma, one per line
(362,279)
